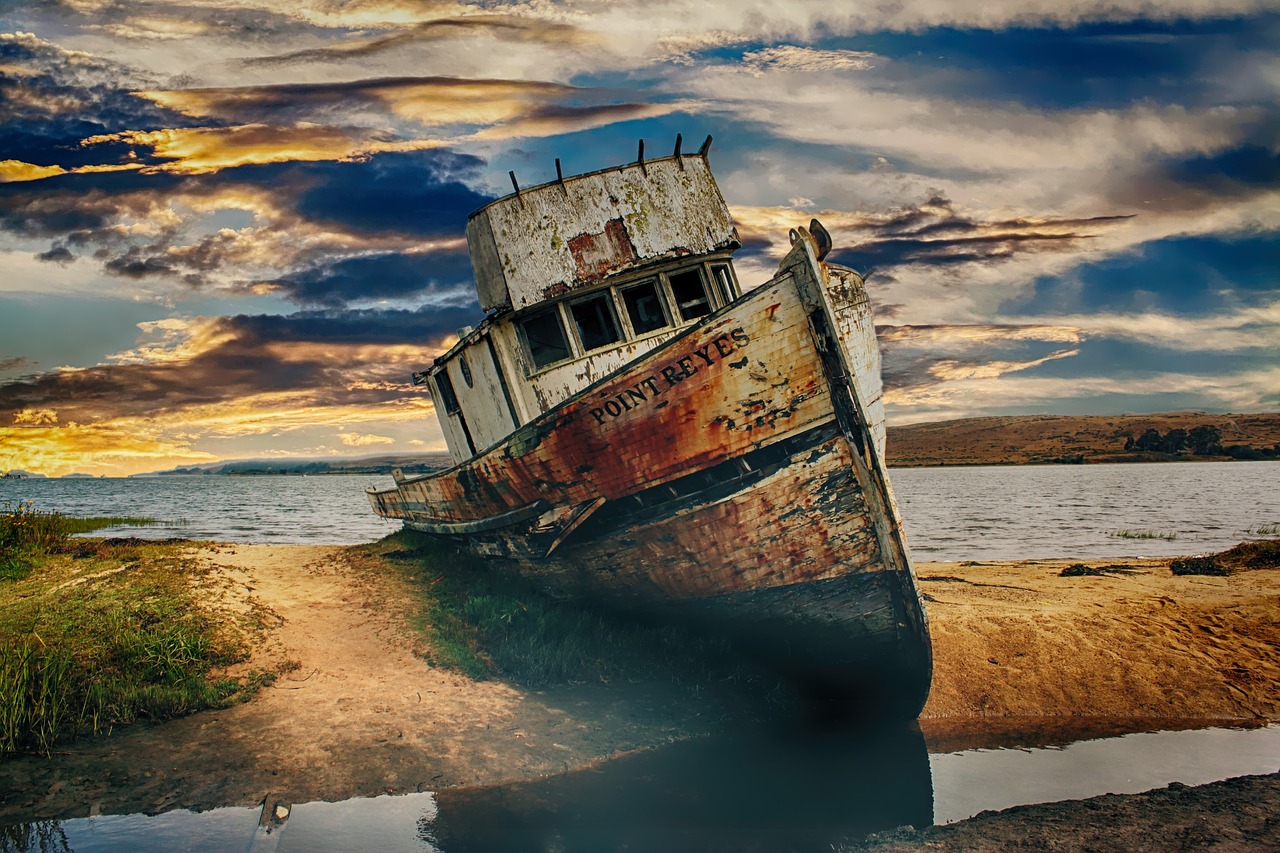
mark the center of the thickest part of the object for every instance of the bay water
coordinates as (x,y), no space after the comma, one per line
(950,513)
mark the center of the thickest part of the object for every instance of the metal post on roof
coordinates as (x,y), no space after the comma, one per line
(560,177)
(679,161)
(706,146)
(640,159)
(516,184)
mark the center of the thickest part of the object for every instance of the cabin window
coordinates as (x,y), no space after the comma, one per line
(444,387)
(597,325)
(544,334)
(644,307)
(466,369)
(690,293)
(722,276)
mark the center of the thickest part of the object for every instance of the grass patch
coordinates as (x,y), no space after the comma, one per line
(484,621)
(1257,554)
(1080,570)
(93,641)
(1264,530)
(1143,534)
(26,534)
(98,522)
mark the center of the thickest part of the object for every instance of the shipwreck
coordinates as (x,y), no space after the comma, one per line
(628,426)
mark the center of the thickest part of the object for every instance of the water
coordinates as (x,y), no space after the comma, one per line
(330,509)
(744,792)
(1044,511)
(993,513)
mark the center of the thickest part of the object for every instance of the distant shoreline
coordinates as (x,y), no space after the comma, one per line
(996,440)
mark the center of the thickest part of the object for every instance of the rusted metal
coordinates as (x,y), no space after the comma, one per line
(727,468)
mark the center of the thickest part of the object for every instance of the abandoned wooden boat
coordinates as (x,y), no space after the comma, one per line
(629,427)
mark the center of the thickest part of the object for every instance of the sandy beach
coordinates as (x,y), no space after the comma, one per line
(1018,648)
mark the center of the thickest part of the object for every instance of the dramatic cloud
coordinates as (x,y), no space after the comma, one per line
(429,101)
(310,235)
(809,59)
(200,381)
(508,28)
(1060,207)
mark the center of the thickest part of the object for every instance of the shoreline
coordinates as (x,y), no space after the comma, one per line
(1020,651)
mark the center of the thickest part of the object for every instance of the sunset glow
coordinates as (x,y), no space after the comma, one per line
(233,229)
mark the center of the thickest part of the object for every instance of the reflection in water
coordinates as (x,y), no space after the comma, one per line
(742,792)
(976,780)
(45,836)
(733,794)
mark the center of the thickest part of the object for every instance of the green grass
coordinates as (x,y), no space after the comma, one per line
(95,635)
(484,622)
(1263,530)
(1143,534)
(27,533)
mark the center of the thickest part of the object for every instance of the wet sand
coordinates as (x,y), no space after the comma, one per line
(1018,649)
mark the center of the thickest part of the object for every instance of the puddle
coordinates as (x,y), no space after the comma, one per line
(743,793)
(974,780)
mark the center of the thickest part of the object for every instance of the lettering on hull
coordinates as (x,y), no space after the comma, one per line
(651,387)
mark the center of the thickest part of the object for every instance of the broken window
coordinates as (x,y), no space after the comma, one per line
(723,278)
(444,388)
(690,293)
(544,334)
(644,307)
(597,326)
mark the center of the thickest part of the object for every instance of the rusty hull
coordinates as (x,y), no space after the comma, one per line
(733,475)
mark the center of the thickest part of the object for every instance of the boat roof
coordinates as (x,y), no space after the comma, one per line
(547,241)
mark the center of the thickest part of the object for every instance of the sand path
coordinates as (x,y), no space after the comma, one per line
(362,714)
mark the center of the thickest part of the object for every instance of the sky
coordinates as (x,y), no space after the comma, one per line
(233,228)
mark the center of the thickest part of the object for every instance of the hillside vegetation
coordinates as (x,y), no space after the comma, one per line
(1036,439)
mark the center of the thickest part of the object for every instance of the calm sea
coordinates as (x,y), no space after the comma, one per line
(1077,511)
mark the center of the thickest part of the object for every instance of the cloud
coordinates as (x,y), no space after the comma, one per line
(351,439)
(114,451)
(155,27)
(197,150)
(429,101)
(56,255)
(360,358)
(379,276)
(191,382)
(303,228)
(55,97)
(1254,327)
(918,357)
(1248,390)
(794,58)
(35,417)
(508,28)
(16,170)
(556,120)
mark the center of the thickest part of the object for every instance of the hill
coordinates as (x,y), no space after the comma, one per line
(1038,439)
(416,464)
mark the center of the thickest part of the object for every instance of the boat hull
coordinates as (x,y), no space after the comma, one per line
(730,478)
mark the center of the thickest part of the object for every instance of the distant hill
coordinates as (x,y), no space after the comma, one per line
(1035,439)
(1012,440)
(416,464)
